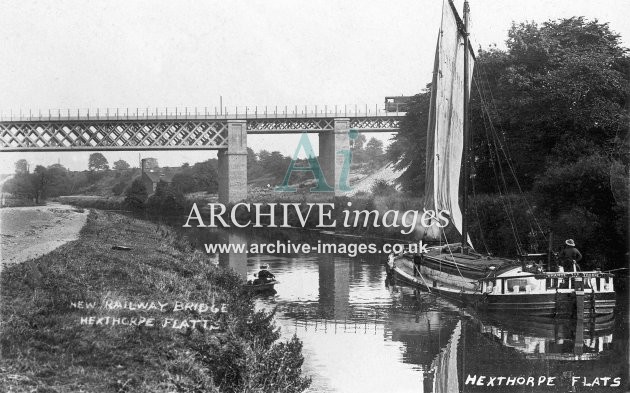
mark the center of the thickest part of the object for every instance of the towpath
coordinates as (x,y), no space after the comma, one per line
(29,232)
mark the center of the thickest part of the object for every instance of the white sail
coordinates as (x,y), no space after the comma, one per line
(446,123)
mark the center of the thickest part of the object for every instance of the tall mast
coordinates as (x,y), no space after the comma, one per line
(466,143)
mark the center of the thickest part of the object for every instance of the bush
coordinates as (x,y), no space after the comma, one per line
(382,187)
(136,195)
(166,199)
(119,187)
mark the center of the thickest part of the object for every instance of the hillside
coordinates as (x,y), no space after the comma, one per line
(365,184)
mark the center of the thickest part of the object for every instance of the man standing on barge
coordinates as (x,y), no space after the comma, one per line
(569,256)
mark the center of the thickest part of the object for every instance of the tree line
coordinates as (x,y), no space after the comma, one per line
(552,109)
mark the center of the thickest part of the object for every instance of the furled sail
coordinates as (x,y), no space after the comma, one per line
(446,123)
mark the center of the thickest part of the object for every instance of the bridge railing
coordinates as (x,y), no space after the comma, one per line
(204,113)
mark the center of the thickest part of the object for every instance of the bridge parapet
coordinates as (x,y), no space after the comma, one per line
(204,113)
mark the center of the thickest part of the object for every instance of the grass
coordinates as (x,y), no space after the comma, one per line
(94,201)
(46,349)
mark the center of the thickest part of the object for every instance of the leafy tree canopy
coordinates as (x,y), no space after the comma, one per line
(121,165)
(557,93)
(97,162)
(21,167)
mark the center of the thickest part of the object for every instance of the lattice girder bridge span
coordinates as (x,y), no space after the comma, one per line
(227,135)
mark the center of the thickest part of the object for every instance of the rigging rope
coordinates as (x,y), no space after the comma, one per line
(483,239)
(505,150)
(452,257)
(493,152)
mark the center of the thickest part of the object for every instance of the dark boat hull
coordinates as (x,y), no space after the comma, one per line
(264,287)
(557,305)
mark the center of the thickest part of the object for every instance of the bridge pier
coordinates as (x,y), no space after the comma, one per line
(233,164)
(331,143)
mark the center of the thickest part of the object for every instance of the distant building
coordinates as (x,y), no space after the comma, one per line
(397,103)
(151,179)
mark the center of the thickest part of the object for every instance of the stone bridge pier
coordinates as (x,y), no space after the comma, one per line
(332,145)
(233,164)
(233,160)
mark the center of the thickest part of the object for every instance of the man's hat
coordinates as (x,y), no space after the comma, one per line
(570,242)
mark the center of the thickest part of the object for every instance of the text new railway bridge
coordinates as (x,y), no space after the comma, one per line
(193,129)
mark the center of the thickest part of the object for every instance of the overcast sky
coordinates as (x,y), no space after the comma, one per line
(80,54)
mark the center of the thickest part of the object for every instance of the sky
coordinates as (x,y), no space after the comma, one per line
(153,53)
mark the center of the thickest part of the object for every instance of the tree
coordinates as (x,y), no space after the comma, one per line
(21,167)
(374,152)
(407,152)
(184,182)
(359,142)
(358,151)
(136,195)
(558,92)
(166,199)
(205,176)
(40,180)
(97,162)
(253,168)
(57,180)
(121,165)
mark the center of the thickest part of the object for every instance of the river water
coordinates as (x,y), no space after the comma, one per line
(364,333)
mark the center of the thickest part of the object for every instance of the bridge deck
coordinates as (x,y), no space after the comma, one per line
(176,130)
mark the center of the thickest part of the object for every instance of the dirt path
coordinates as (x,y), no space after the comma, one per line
(386,173)
(29,232)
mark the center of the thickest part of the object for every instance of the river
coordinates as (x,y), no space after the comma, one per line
(364,333)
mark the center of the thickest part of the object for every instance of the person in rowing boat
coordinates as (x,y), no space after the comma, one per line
(569,256)
(265,275)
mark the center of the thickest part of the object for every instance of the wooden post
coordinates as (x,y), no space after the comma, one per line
(579,308)
(549,251)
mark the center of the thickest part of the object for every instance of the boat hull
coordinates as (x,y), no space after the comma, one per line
(558,305)
(268,286)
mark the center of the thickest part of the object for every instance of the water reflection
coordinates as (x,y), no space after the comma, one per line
(236,261)
(334,287)
(364,333)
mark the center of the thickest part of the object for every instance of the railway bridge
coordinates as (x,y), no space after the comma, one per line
(195,129)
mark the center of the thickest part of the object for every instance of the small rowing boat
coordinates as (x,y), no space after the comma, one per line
(261,287)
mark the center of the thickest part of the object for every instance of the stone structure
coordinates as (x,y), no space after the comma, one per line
(331,158)
(151,179)
(233,164)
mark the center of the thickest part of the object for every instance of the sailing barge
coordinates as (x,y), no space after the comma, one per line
(456,271)
(502,285)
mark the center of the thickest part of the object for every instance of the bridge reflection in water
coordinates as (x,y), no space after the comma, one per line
(362,332)
(233,260)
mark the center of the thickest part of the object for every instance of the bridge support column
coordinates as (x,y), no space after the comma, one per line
(233,164)
(332,145)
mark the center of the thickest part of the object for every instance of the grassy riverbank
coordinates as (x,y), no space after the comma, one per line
(46,348)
